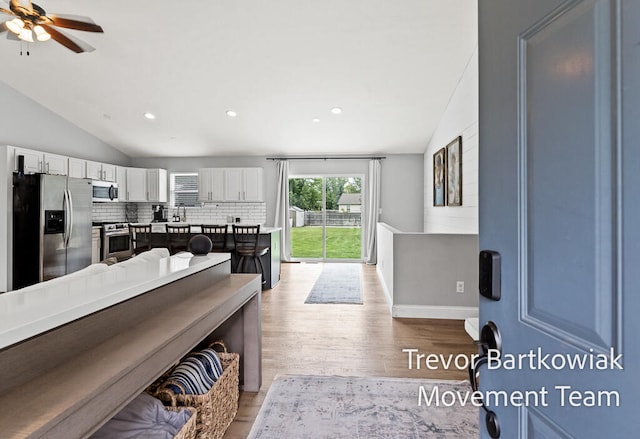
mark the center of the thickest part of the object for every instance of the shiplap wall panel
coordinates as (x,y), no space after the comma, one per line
(460,119)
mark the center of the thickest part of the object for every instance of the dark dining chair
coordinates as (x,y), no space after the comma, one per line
(245,240)
(218,236)
(178,237)
(140,238)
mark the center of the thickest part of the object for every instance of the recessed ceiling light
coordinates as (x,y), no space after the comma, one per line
(231,113)
(336,110)
(315,119)
(150,116)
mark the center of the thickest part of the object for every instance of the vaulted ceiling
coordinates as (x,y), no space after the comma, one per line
(390,65)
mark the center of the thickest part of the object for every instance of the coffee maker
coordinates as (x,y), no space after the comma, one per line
(159,213)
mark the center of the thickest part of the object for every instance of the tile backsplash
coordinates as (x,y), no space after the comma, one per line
(106,212)
(249,213)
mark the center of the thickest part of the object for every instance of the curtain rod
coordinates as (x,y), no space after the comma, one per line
(338,157)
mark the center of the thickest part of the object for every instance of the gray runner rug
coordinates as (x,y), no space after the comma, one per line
(338,283)
(307,406)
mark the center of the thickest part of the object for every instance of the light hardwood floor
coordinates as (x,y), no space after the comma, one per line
(348,340)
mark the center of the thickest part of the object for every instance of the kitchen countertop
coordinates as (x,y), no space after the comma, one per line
(263,229)
(33,310)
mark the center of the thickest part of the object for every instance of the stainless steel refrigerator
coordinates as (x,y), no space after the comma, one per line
(51,227)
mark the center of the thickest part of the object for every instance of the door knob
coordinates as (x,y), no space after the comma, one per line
(490,338)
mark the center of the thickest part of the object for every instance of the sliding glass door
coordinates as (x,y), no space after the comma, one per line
(326,218)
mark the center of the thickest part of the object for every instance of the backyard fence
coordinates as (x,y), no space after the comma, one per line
(334,218)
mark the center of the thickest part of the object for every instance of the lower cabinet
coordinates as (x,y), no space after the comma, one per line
(95,245)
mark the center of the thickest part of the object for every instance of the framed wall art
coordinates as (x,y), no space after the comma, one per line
(454,172)
(439,177)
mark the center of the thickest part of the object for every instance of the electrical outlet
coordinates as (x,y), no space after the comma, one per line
(460,286)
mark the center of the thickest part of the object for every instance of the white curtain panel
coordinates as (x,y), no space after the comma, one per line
(372,211)
(282,209)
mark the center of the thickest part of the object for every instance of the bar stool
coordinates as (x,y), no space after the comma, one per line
(178,237)
(218,236)
(140,237)
(246,246)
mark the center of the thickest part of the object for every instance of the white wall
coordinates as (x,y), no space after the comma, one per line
(402,180)
(419,272)
(460,119)
(25,123)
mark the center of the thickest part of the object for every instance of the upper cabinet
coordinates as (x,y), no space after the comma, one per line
(136,187)
(211,184)
(55,164)
(145,185)
(77,168)
(101,171)
(157,185)
(253,186)
(230,184)
(40,162)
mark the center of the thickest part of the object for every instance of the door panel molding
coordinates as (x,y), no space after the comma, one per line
(563,64)
(535,425)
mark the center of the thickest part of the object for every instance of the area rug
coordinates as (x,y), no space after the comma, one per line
(338,283)
(308,406)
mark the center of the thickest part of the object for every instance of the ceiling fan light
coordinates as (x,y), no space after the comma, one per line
(26,35)
(16,25)
(41,34)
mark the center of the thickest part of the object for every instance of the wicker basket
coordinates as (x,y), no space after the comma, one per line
(216,408)
(188,430)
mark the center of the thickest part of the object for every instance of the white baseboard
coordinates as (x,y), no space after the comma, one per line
(387,293)
(434,312)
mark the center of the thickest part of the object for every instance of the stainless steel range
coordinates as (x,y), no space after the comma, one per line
(116,241)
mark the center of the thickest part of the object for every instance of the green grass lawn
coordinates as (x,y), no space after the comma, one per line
(342,242)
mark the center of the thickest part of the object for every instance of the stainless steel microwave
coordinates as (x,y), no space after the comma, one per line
(104,191)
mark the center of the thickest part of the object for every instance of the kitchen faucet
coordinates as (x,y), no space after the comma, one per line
(184,213)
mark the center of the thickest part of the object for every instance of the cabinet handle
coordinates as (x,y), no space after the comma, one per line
(127,195)
(147,195)
(47,167)
(244,195)
(40,168)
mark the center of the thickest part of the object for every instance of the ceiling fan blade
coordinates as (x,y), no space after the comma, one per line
(71,43)
(8,12)
(74,22)
(21,4)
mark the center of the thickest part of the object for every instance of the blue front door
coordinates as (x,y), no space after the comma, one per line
(559,201)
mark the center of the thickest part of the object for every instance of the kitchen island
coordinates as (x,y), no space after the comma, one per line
(70,362)
(269,237)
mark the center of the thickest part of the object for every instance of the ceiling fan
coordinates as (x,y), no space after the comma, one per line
(30,21)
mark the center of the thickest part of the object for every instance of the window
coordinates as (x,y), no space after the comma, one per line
(183,188)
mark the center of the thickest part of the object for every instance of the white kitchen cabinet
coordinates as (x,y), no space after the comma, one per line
(233,184)
(243,184)
(55,164)
(136,189)
(94,170)
(211,184)
(121,177)
(157,185)
(253,187)
(108,172)
(32,160)
(37,161)
(95,245)
(101,171)
(77,168)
